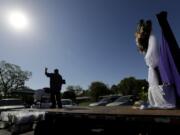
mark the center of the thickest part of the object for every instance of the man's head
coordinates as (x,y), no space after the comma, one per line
(56,71)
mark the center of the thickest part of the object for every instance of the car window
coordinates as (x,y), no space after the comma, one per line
(122,99)
(109,99)
(104,100)
(66,102)
(114,98)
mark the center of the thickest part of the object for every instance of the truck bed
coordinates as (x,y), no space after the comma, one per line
(107,120)
(123,110)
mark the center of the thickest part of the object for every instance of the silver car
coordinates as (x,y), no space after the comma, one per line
(104,101)
(124,100)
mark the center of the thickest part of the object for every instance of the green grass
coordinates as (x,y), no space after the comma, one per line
(84,103)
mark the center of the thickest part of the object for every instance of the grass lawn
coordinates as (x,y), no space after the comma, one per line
(85,103)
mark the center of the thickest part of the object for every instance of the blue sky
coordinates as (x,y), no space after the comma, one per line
(87,40)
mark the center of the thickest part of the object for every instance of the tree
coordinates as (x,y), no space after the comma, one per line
(70,94)
(78,90)
(98,89)
(70,88)
(126,86)
(86,93)
(12,77)
(132,86)
(143,95)
(114,89)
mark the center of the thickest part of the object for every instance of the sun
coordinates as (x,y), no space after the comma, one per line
(18,20)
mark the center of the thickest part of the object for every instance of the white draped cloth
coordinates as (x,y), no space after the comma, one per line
(22,116)
(157,94)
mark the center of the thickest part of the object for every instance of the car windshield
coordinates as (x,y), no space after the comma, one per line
(109,99)
(66,102)
(113,98)
(104,100)
(122,99)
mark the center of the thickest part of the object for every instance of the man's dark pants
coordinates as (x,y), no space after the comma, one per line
(56,97)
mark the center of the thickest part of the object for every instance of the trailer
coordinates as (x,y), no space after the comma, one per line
(109,120)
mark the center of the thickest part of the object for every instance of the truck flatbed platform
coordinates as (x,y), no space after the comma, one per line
(124,110)
(106,120)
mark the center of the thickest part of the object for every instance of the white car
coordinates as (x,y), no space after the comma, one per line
(47,103)
(67,103)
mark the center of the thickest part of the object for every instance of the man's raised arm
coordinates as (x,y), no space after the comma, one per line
(46,73)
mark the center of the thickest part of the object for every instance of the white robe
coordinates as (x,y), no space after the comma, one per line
(157,93)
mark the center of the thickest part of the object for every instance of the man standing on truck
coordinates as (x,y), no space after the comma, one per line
(56,82)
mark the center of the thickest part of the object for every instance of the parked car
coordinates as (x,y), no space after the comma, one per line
(45,103)
(11,103)
(67,103)
(124,100)
(104,101)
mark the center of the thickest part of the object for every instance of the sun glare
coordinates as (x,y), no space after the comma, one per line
(18,20)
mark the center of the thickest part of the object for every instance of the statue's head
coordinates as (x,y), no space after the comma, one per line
(142,35)
(56,71)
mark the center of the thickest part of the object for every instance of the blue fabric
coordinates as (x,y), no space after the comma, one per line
(167,66)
